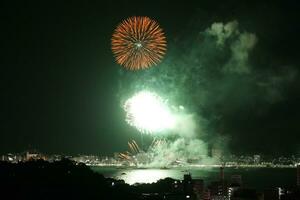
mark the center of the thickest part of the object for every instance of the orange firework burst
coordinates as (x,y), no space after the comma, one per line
(138,43)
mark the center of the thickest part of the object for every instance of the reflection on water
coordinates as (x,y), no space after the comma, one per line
(144,175)
(132,176)
(251,177)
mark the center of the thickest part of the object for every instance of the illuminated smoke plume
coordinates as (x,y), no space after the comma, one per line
(212,73)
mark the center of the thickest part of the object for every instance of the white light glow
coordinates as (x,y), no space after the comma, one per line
(148,113)
(144,176)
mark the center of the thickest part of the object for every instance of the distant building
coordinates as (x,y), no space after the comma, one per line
(290,194)
(298,176)
(4,158)
(187,184)
(33,155)
(198,187)
(281,191)
(231,191)
(245,194)
(11,157)
(168,197)
(218,189)
(177,187)
(206,194)
(236,180)
(271,194)
(235,184)
(256,159)
(221,173)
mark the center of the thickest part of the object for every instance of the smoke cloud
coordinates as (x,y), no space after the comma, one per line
(212,74)
(223,31)
(180,151)
(240,50)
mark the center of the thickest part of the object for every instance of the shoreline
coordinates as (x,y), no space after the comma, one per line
(194,166)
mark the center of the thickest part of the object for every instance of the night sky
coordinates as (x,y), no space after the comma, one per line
(61,90)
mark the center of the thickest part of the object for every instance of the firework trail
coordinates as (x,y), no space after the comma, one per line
(156,143)
(132,148)
(136,146)
(135,154)
(124,156)
(138,43)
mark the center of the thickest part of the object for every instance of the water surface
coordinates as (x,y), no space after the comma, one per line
(251,177)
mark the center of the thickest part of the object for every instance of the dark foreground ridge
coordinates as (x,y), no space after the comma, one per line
(66,179)
(39,179)
(62,179)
